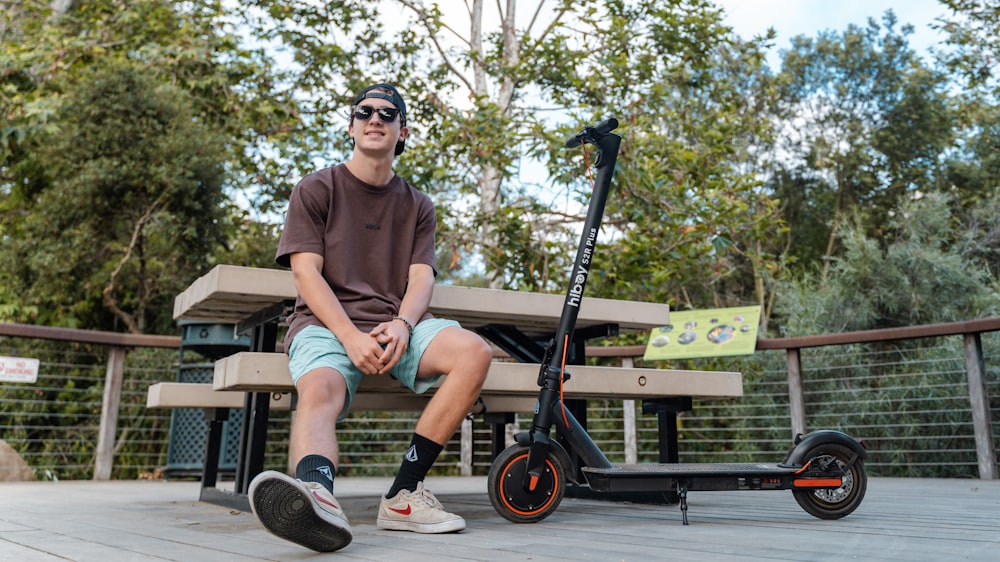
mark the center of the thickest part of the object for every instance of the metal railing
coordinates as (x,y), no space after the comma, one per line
(919,396)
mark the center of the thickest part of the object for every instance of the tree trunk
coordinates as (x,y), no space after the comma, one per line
(60,7)
(489,173)
(489,203)
(490,176)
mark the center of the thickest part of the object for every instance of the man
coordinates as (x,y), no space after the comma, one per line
(360,242)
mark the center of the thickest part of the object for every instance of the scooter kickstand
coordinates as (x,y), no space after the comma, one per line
(682,492)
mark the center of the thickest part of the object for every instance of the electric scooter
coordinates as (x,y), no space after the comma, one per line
(825,470)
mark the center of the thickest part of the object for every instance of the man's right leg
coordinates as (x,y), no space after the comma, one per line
(303,509)
(321,396)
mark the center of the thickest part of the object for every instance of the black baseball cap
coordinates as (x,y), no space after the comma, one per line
(379,91)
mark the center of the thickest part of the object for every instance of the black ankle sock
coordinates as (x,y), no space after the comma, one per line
(419,458)
(316,468)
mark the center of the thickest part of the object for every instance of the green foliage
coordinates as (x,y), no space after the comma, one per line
(228,84)
(131,197)
(972,41)
(669,71)
(128,206)
(871,126)
(250,243)
(912,276)
(683,217)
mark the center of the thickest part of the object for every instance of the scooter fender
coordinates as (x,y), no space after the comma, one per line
(803,443)
(524,439)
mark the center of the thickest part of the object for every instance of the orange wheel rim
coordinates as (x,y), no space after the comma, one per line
(504,495)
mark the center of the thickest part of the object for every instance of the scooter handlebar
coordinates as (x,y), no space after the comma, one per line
(591,133)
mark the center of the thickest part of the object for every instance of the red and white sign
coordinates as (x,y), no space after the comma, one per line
(18,369)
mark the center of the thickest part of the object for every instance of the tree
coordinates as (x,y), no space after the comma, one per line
(975,47)
(890,188)
(689,216)
(461,151)
(915,275)
(972,173)
(867,127)
(131,202)
(192,45)
(50,52)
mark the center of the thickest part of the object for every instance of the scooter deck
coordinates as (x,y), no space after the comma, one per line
(693,476)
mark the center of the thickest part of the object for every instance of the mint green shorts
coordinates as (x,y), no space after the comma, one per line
(316,347)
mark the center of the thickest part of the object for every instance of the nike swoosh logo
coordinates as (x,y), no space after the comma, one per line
(321,499)
(402,511)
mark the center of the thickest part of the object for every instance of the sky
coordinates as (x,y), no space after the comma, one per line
(808,17)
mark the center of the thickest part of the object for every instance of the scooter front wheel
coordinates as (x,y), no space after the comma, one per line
(834,503)
(515,501)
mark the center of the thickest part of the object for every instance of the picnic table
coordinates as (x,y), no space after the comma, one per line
(256,301)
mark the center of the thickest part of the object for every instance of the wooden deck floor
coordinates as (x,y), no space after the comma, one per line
(900,519)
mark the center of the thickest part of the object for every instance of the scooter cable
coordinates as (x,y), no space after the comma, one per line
(562,379)
(586,162)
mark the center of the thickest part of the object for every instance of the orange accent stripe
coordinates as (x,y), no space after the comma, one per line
(562,378)
(818,483)
(533,482)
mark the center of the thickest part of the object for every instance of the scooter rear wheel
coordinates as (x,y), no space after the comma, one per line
(507,491)
(834,503)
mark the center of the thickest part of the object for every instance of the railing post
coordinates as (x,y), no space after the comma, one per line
(104,457)
(796,396)
(979,399)
(628,419)
(465,448)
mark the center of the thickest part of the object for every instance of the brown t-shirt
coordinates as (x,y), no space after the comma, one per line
(368,237)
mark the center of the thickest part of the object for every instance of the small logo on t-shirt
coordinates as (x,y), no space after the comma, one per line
(373,226)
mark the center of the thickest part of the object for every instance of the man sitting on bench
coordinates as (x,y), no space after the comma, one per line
(360,242)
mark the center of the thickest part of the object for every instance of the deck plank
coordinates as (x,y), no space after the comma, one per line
(900,519)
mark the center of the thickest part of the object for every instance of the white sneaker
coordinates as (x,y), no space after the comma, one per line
(305,513)
(418,511)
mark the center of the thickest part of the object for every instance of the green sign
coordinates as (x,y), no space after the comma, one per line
(705,333)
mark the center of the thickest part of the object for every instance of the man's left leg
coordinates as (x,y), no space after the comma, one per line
(464,358)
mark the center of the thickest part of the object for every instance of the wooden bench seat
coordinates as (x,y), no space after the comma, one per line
(268,372)
(509,387)
(166,395)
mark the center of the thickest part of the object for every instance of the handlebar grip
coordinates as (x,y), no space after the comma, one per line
(591,133)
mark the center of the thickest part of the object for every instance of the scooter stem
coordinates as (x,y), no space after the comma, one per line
(551,374)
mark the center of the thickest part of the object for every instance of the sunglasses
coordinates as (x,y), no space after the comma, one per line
(385,114)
